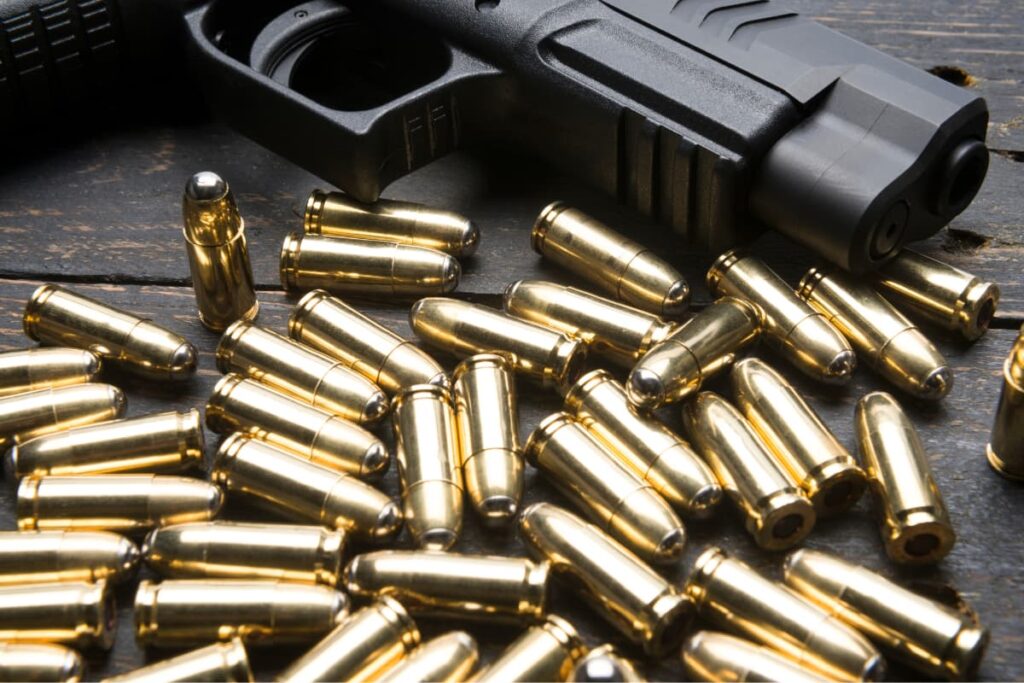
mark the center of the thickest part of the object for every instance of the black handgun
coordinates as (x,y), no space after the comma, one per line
(715,117)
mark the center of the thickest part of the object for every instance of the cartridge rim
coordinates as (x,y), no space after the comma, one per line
(414,391)
(835,486)
(570,358)
(994,460)
(395,612)
(976,307)
(805,288)
(704,568)
(25,506)
(237,659)
(566,635)
(672,613)
(967,652)
(100,614)
(228,343)
(215,404)
(194,439)
(547,216)
(229,447)
(481,360)
(314,211)
(921,539)
(304,308)
(540,436)
(787,519)
(290,250)
(30,318)
(578,392)
(721,266)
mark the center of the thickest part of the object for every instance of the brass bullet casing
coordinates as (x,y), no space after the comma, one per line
(623,589)
(26,370)
(361,648)
(939,293)
(702,347)
(802,335)
(613,330)
(797,437)
(450,658)
(736,598)
(304,491)
(608,491)
(227,662)
(334,214)
(61,556)
(127,503)
(218,256)
(234,550)
(1005,448)
(778,514)
(933,638)
(79,614)
(163,442)
(57,316)
(546,652)
(628,271)
(453,585)
(487,422)
(721,658)
(605,664)
(174,613)
(40,662)
(254,409)
(914,523)
(428,465)
(45,411)
(882,336)
(649,448)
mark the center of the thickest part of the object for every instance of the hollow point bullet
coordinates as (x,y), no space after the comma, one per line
(721,658)
(226,662)
(79,614)
(26,370)
(62,556)
(1005,447)
(450,658)
(605,664)
(546,652)
(45,411)
(40,662)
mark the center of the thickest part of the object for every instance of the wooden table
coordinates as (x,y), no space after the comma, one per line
(103,216)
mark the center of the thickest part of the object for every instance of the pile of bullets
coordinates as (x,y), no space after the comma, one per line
(297,411)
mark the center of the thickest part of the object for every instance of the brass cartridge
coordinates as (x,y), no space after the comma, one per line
(464,329)
(251,408)
(446,659)
(546,652)
(605,664)
(935,639)
(721,658)
(939,293)
(882,336)
(218,255)
(61,556)
(702,347)
(361,648)
(736,598)
(628,271)
(227,662)
(40,662)
(453,585)
(649,448)
(796,331)
(623,589)
(611,494)
(914,523)
(487,422)
(362,344)
(233,550)
(45,411)
(1005,448)
(176,613)
(334,214)
(163,442)
(428,465)
(304,491)
(778,514)
(127,503)
(366,268)
(32,369)
(57,316)
(796,436)
(613,330)
(74,613)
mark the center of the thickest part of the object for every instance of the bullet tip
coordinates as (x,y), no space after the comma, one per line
(874,670)
(183,361)
(600,669)
(376,407)
(206,186)
(93,365)
(498,511)
(450,275)
(214,500)
(937,384)
(375,460)
(389,522)
(671,546)
(842,366)
(118,401)
(440,380)
(705,500)
(644,387)
(677,300)
(471,240)
(11,463)
(438,539)
(128,555)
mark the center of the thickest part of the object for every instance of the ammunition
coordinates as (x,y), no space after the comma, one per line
(648,447)
(487,422)
(547,652)
(300,372)
(218,256)
(361,648)
(75,613)
(226,662)
(464,329)
(799,440)
(246,406)
(45,411)
(778,514)
(55,315)
(796,331)
(605,664)
(366,268)
(939,293)
(736,598)
(446,659)
(334,214)
(61,556)
(333,327)
(914,523)
(606,490)
(701,348)
(883,337)
(628,271)
(721,658)
(626,592)
(305,491)
(934,639)
(428,465)
(1005,448)
(618,332)
(27,370)
(114,502)
(453,585)
(232,550)
(164,442)
(176,613)
(40,662)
